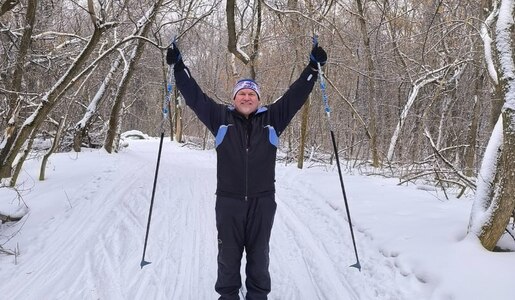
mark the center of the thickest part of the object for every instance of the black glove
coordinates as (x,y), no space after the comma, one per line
(173,57)
(318,56)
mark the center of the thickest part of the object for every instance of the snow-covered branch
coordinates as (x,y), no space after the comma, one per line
(92,107)
(487,43)
(426,79)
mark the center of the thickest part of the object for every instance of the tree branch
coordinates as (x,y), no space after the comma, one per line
(7,6)
(467,180)
(232,43)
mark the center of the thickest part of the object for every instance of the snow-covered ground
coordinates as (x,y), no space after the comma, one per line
(83,237)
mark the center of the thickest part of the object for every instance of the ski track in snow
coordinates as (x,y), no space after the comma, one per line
(326,244)
(93,250)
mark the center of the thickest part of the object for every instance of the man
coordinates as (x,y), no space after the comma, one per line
(246,140)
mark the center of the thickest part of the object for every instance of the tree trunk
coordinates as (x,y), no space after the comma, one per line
(303,132)
(22,156)
(495,201)
(8,5)
(55,144)
(115,118)
(371,97)
(470,151)
(14,103)
(489,11)
(81,128)
(232,43)
(503,201)
(16,81)
(402,118)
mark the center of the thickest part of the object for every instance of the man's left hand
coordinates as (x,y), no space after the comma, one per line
(318,56)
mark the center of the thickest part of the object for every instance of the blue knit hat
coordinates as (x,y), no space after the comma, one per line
(246,84)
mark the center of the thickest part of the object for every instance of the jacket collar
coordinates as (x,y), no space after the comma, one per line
(260,110)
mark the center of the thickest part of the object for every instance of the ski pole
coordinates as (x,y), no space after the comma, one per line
(166,105)
(335,149)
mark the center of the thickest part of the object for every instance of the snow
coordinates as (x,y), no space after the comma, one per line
(83,236)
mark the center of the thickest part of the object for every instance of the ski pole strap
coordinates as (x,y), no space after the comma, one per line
(168,91)
(321,78)
(324,92)
(168,95)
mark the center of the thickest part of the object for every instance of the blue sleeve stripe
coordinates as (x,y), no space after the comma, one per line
(222,130)
(272,136)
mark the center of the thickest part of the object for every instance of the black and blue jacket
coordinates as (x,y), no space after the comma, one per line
(246,148)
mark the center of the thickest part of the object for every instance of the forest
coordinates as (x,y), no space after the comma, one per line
(423,90)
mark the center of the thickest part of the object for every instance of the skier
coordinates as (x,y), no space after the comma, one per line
(246,140)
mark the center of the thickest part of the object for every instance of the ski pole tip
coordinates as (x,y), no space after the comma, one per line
(357,265)
(144,263)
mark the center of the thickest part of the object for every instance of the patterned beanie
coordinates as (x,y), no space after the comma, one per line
(246,84)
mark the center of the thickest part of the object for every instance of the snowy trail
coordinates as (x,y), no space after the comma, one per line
(91,248)
(89,241)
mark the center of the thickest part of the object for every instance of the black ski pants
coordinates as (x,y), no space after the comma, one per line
(244,224)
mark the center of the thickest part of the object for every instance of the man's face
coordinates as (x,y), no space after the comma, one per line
(246,102)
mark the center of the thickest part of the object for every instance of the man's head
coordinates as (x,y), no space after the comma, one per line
(246,96)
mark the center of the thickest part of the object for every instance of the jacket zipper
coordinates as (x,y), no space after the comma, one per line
(246,174)
(247,146)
